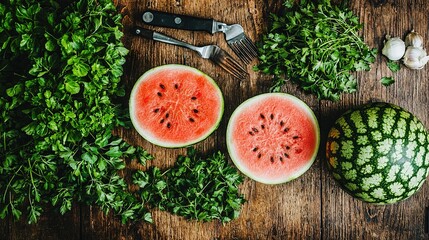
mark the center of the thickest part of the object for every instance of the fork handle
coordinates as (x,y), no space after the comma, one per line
(177,21)
(146,33)
(152,35)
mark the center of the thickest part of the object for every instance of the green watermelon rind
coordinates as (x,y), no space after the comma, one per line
(234,156)
(353,179)
(156,141)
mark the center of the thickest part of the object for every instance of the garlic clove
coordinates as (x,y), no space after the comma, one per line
(415,57)
(394,48)
(414,39)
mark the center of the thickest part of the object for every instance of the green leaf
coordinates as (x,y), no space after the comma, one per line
(394,66)
(122,51)
(25,40)
(102,164)
(72,86)
(50,46)
(15,90)
(114,152)
(387,81)
(148,218)
(80,69)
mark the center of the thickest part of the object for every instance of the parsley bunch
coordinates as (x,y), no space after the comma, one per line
(60,90)
(198,188)
(60,95)
(315,45)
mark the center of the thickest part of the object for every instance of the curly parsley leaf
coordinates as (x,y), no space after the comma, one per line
(315,45)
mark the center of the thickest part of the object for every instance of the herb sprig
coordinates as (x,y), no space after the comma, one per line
(317,46)
(200,188)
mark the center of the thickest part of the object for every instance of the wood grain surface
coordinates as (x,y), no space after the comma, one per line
(310,207)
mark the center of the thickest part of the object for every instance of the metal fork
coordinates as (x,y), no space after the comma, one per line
(238,41)
(212,52)
(243,47)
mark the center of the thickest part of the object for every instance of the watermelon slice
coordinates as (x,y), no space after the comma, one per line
(273,138)
(175,106)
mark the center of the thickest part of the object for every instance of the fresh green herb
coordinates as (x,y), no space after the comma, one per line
(386,81)
(60,95)
(394,66)
(317,46)
(195,188)
(288,3)
(60,91)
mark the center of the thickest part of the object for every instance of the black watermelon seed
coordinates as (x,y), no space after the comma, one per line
(194,98)
(255,129)
(167,115)
(286,130)
(281,159)
(159,94)
(191,120)
(287,147)
(255,149)
(262,116)
(259,155)
(272,159)
(251,133)
(162,86)
(195,110)
(168,125)
(162,121)
(286,155)
(262,126)
(176,86)
(282,123)
(156,110)
(295,137)
(271,116)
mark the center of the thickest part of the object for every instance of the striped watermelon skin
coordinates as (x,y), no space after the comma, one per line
(378,153)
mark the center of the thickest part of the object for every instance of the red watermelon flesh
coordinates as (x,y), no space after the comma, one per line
(273,138)
(175,105)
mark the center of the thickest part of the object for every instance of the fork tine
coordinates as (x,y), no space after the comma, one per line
(249,48)
(224,60)
(230,68)
(240,53)
(239,72)
(244,48)
(252,47)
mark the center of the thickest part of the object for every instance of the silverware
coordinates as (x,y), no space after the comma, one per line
(234,34)
(212,52)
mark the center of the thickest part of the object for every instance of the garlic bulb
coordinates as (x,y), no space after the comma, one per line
(414,39)
(394,48)
(415,57)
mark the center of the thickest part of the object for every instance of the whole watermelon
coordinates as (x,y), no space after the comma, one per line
(378,153)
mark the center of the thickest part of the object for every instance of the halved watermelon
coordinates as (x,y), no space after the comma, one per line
(175,106)
(273,138)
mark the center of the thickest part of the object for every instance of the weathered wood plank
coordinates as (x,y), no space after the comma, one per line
(310,207)
(4,228)
(51,226)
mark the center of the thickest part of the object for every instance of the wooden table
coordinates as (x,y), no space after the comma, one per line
(310,207)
